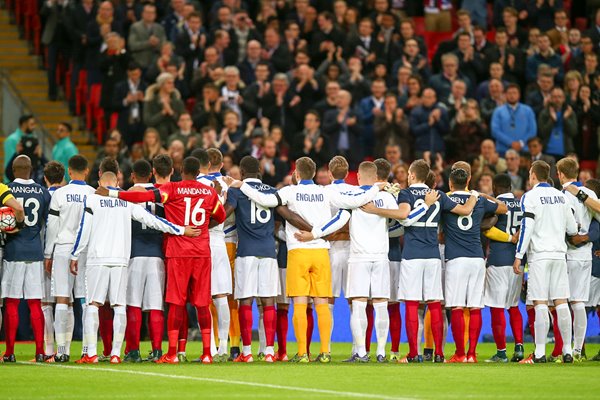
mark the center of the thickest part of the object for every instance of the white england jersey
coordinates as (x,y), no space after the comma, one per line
(583,216)
(66,208)
(547,217)
(105,230)
(216,232)
(313,203)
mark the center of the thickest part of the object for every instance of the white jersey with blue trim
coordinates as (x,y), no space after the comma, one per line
(583,216)
(547,217)
(313,203)
(105,230)
(216,232)
(339,185)
(66,208)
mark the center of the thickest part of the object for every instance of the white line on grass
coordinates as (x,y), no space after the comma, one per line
(229,382)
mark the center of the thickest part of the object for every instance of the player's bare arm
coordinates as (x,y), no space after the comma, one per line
(591,203)
(467,208)
(74,267)
(293,218)
(502,208)
(403,210)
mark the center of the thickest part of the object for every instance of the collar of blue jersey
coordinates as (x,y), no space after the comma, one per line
(24,181)
(461,192)
(252,180)
(574,183)
(507,195)
(52,188)
(215,174)
(543,184)
(76,182)
(419,185)
(366,187)
(306,182)
(338,181)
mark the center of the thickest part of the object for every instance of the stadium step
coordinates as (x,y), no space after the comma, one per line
(31,84)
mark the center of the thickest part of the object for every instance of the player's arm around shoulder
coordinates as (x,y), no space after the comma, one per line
(467,208)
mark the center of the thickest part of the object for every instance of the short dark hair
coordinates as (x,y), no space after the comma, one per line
(24,118)
(215,157)
(202,156)
(249,165)
(541,169)
(163,165)
(502,181)
(67,125)
(593,184)
(512,86)
(421,169)
(534,139)
(306,167)
(383,168)
(191,166)
(54,172)
(142,169)
(459,178)
(109,165)
(133,65)
(78,163)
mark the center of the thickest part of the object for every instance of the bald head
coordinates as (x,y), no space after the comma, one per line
(21,167)
(344,99)
(108,178)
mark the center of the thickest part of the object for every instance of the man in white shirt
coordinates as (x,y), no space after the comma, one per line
(108,257)
(547,217)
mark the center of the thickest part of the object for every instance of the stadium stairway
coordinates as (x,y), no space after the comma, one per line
(32,84)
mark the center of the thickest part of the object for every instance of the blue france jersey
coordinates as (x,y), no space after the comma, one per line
(421,238)
(26,245)
(594,234)
(503,253)
(463,233)
(255,224)
(395,252)
(147,242)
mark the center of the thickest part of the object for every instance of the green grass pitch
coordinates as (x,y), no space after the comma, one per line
(305,381)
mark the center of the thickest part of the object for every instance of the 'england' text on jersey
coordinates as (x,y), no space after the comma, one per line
(74,198)
(312,197)
(112,203)
(552,200)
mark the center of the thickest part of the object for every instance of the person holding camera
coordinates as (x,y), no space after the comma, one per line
(557,125)
(29,146)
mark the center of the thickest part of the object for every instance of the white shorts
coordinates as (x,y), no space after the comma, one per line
(464,282)
(368,279)
(502,287)
(47,288)
(548,280)
(220,276)
(22,280)
(106,283)
(594,299)
(146,283)
(394,280)
(339,252)
(281,297)
(64,283)
(580,273)
(421,280)
(256,277)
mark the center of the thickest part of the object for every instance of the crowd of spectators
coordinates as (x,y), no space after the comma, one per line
(281,79)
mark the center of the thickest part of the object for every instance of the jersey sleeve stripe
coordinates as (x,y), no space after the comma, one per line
(216,207)
(5,196)
(176,227)
(415,214)
(333,220)
(522,234)
(279,201)
(54,212)
(230,229)
(80,230)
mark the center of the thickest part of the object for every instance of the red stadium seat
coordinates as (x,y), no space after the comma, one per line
(490,36)
(588,164)
(352,178)
(94,114)
(419,25)
(37,35)
(190,104)
(81,92)
(114,118)
(581,24)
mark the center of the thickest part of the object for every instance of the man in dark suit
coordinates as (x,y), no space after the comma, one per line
(96,31)
(248,66)
(326,39)
(56,37)
(128,101)
(190,44)
(511,58)
(277,55)
(225,47)
(341,125)
(536,148)
(594,31)
(225,23)
(365,45)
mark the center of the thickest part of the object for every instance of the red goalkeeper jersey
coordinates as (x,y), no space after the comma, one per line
(186,203)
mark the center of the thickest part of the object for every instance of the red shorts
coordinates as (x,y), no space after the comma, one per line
(188,279)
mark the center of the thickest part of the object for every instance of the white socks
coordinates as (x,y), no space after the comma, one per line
(579,325)
(564,326)
(445,320)
(91,323)
(48,329)
(332,320)
(246,350)
(542,325)
(421,314)
(223,320)
(119,326)
(358,325)
(213,345)
(71,326)
(382,326)
(60,327)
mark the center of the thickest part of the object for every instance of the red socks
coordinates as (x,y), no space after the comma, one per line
(11,323)
(499,327)
(370,322)
(270,323)
(531,320)
(105,314)
(310,327)
(245,313)
(36,317)
(282,331)
(412,327)
(183,331)
(175,319)
(134,326)
(205,322)
(395,325)
(156,328)
(516,324)
(458,330)
(558,342)
(475,324)
(437,326)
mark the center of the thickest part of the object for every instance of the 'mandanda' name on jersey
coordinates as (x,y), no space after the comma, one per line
(552,200)
(75,198)
(112,203)
(193,191)
(311,197)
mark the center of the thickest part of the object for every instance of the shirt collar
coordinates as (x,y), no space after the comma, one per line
(252,180)
(215,174)
(366,187)
(419,185)
(144,185)
(338,181)
(542,184)
(306,182)
(507,195)
(113,188)
(575,183)
(24,181)
(77,182)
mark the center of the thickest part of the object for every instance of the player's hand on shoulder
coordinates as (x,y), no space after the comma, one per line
(431,197)
(475,193)
(572,189)
(381,185)
(192,231)
(74,267)
(137,189)
(369,208)
(102,191)
(232,183)
(304,236)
